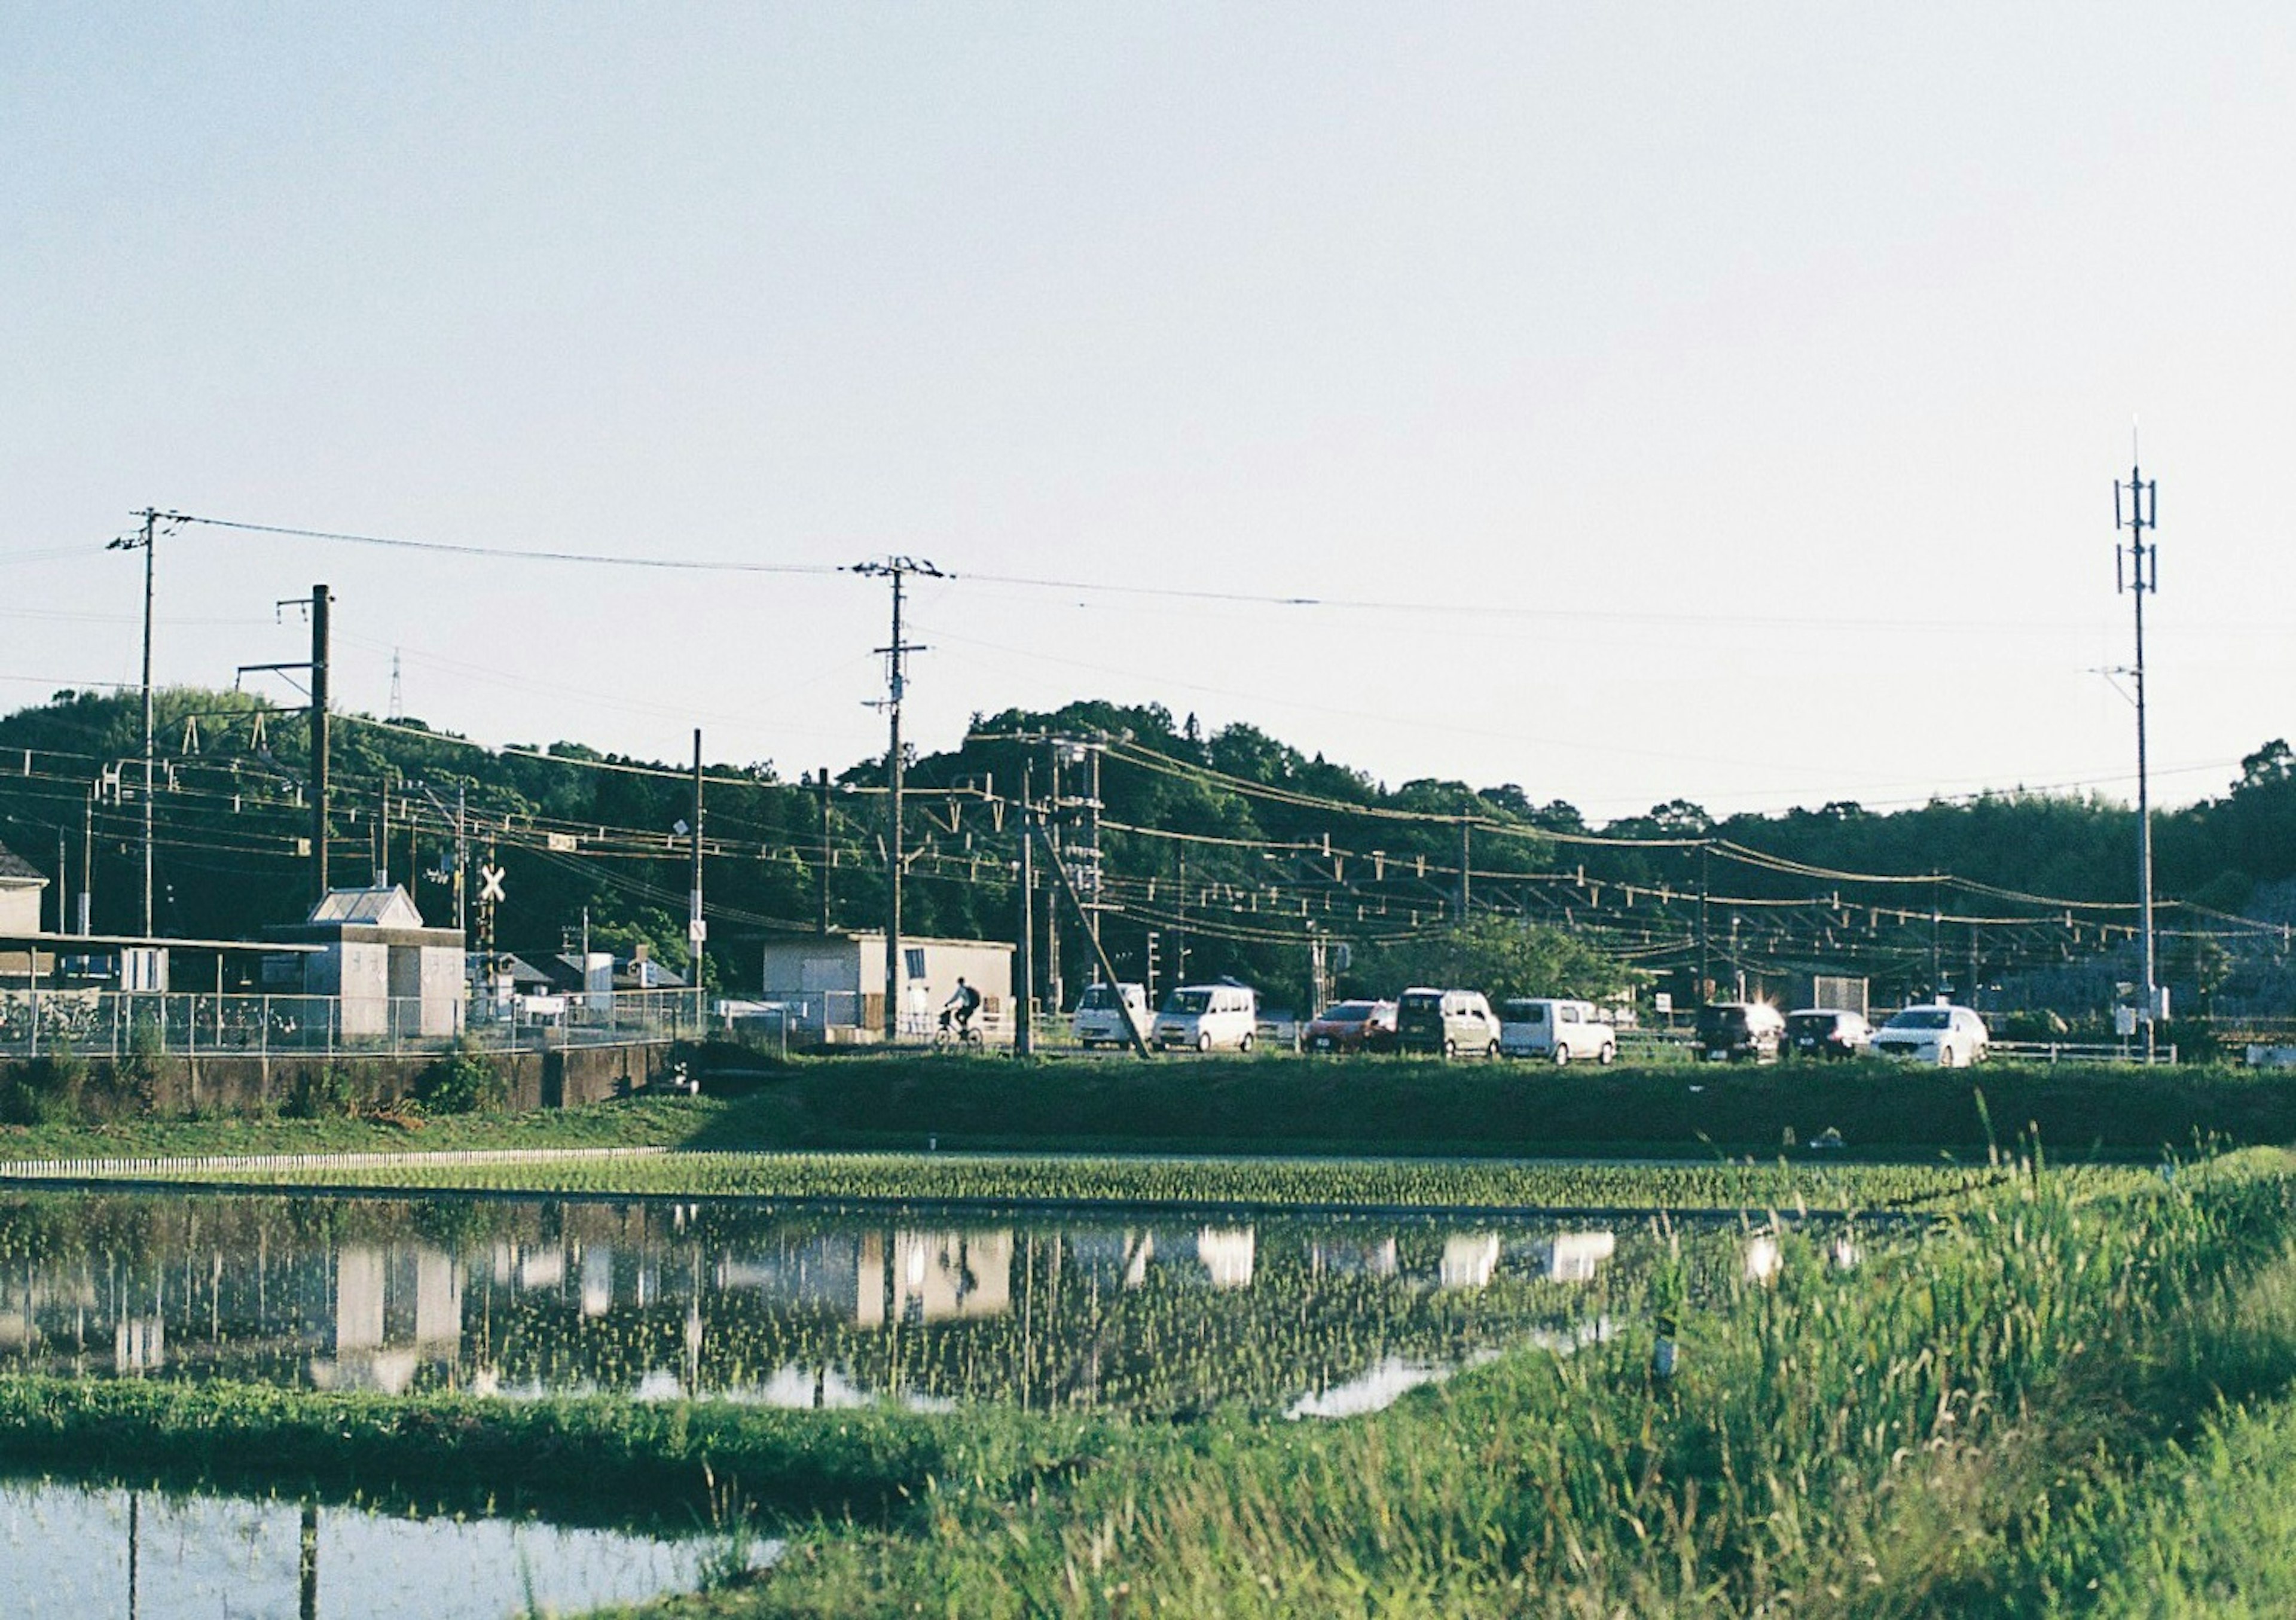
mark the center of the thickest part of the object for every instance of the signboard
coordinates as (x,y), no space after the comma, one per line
(1662,1001)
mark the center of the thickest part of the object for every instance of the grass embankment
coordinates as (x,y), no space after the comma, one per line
(628,1123)
(1259,1187)
(1958,1427)
(595,1459)
(1291,1106)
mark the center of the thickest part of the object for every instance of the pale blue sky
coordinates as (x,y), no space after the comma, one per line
(1777,359)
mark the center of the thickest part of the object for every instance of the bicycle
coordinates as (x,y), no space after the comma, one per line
(951,1033)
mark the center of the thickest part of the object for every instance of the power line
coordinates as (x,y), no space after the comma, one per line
(515,554)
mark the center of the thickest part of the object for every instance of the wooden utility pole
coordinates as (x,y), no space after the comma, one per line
(1024,1020)
(822,868)
(142,542)
(897,664)
(697,928)
(322,599)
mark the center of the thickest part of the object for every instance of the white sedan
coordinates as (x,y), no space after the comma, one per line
(1949,1036)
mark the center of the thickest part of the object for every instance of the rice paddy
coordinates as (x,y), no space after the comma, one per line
(1094,1385)
(1256,1183)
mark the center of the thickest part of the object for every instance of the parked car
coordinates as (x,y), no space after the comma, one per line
(1738,1031)
(1556,1030)
(1105,1010)
(1819,1032)
(1445,1020)
(1206,1016)
(1950,1037)
(1353,1027)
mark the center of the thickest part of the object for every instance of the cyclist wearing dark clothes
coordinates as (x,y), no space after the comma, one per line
(961,1004)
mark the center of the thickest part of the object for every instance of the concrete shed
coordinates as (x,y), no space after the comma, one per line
(836,982)
(390,971)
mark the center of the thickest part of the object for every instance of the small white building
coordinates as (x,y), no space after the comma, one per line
(835,982)
(390,973)
(21,887)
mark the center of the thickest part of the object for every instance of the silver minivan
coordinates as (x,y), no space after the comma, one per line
(1452,1022)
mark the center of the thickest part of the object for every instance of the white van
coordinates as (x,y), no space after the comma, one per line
(1206,1016)
(1102,1014)
(1551,1028)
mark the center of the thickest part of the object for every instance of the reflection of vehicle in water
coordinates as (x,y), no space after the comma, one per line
(1738,1031)
(1102,1015)
(1559,1029)
(1207,1017)
(1950,1037)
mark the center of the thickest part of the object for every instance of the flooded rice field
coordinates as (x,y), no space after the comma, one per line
(1159,1316)
(70,1550)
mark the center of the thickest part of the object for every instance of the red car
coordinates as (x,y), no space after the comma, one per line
(1352,1026)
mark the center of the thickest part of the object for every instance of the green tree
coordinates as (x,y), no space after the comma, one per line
(1499,955)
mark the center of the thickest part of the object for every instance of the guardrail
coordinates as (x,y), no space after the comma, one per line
(2083,1051)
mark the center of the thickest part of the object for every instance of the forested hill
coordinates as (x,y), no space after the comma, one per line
(1228,844)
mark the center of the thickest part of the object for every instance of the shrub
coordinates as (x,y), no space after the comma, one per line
(322,1093)
(48,1089)
(464,1081)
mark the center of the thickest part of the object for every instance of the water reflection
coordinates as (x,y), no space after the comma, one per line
(526,1297)
(73,1551)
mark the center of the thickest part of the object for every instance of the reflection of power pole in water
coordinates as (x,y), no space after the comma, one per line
(134,1545)
(307,1565)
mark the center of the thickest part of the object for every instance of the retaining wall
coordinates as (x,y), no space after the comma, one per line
(561,1077)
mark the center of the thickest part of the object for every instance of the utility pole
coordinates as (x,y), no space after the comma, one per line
(1180,928)
(697,929)
(2135,572)
(822,868)
(1937,923)
(322,599)
(1091,836)
(462,864)
(896,661)
(1054,996)
(1704,851)
(88,862)
(1024,1020)
(142,542)
(1466,883)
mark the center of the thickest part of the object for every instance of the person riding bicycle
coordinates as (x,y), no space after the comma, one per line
(961,1004)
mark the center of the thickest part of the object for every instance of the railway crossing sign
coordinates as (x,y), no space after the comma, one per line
(490,883)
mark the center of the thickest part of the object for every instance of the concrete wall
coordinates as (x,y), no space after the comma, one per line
(566,1078)
(21,907)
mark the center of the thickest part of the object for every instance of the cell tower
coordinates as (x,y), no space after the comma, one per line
(2135,571)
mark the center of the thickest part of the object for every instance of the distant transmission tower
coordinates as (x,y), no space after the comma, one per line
(2136,569)
(398,698)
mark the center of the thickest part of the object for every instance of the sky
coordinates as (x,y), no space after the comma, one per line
(1624,402)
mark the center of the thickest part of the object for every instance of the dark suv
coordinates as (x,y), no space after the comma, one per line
(1827,1032)
(1738,1031)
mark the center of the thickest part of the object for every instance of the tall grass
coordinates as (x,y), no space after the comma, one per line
(1874,1440)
